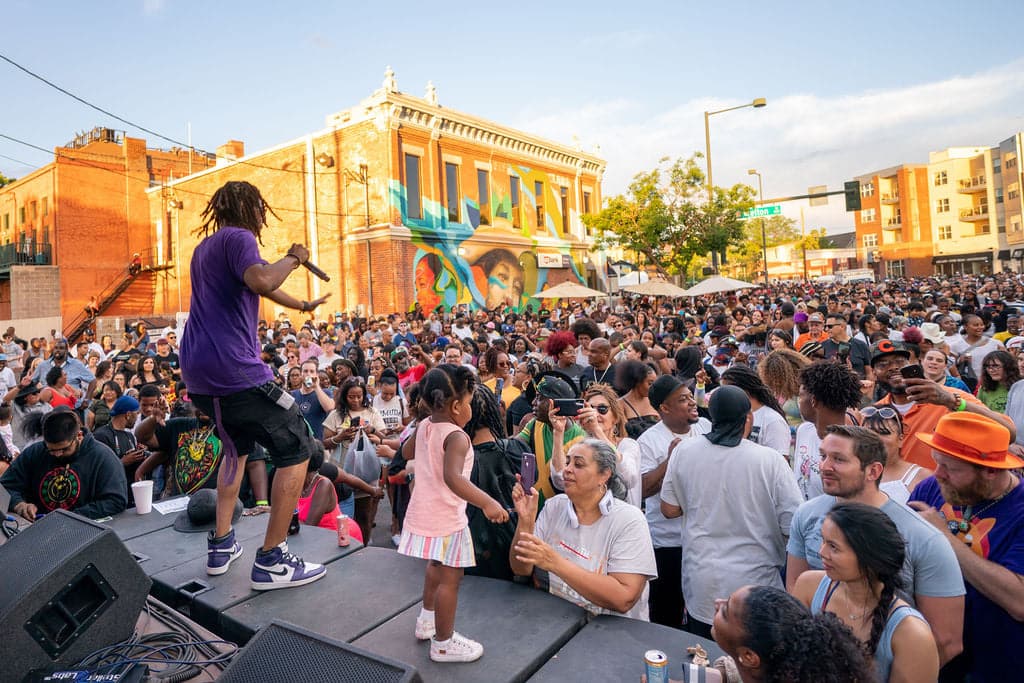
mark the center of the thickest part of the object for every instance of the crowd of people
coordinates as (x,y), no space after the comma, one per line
(855,446)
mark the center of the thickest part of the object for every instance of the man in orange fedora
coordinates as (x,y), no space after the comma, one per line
(978,503)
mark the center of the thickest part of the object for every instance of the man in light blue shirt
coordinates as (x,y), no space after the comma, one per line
(78,374)
(852,461)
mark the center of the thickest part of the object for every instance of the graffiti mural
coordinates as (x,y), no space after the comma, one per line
(488,258)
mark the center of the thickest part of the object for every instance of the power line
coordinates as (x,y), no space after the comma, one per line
(125,121)
(87,103)
(17,161)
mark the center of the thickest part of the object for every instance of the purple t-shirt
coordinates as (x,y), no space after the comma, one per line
(992,637)
(220,354)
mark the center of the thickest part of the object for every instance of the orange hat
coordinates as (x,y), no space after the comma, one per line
(957,433)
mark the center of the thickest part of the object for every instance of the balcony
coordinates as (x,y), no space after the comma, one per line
(977,213)
(978,183)
(894,223)
(25,253)
(891,197)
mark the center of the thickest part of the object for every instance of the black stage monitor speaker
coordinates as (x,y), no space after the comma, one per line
(70,587)
(282,652)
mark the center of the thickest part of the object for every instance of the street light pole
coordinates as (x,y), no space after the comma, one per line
(757,103)
(764,235)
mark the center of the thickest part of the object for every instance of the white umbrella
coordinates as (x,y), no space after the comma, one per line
(716,284)
(569,290)
(634,278)
(656,287)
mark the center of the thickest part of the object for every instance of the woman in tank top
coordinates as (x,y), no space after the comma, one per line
(899,476)
(862,552)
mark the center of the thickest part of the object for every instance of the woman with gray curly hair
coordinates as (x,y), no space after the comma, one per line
(593,548)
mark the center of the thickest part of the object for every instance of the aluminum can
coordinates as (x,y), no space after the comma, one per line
(656,666)
(343,539)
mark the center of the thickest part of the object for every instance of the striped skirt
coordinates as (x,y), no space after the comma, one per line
(454,550)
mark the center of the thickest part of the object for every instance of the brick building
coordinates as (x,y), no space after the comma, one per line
(69,229)
(403,202)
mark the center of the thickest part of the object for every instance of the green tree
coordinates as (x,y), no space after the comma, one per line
(665,215)
(4,180)
(777,230)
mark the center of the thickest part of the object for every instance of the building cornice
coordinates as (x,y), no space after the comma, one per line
(396,109)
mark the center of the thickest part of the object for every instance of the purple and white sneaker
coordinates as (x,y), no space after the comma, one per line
(278,568)
(220,553)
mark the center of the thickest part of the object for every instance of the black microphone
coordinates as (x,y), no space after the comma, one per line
(316,271)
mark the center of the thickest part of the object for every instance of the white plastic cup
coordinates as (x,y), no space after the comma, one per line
(142,492)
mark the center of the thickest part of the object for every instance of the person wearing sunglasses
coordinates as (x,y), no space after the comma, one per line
(900,477)
(602,418)
(840,345)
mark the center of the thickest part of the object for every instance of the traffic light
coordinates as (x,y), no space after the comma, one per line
(851,189)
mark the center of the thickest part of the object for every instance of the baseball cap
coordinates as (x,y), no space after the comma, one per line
(553,387)
(885,347)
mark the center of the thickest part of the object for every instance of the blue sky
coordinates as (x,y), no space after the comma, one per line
(851,87)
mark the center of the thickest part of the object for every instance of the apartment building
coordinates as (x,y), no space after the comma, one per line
(894,233)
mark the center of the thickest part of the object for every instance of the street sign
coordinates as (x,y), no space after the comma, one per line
(762,211)
(818,189)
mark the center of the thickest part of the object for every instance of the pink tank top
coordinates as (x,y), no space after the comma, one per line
(330,519)
(434,510)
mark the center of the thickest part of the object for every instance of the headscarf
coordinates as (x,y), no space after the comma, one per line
(729,407)
(688,362)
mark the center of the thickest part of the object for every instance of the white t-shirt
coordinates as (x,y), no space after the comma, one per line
(7,380)
(393,412)
(985,346)
(738,503)
(770,429)
(807,461)
(629,470)
(617,543)
(654,445)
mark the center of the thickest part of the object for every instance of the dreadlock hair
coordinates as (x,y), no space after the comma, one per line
(880,550)
(486,413)
(746,379)
(238,204)
(778,628)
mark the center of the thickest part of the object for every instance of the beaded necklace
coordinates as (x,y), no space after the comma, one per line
(963,525)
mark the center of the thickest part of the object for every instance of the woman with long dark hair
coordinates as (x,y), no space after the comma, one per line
(863,552)
(999,372)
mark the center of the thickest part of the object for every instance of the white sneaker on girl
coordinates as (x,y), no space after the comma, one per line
(458,648)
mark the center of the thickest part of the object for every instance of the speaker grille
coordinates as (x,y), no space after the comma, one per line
(284,652)
(56,535)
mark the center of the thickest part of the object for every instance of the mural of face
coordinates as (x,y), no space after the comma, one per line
(504,286)
(426,278)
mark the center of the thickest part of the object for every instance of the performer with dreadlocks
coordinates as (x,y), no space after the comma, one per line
(220,362)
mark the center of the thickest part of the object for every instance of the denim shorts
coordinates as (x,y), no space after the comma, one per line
(251,416)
